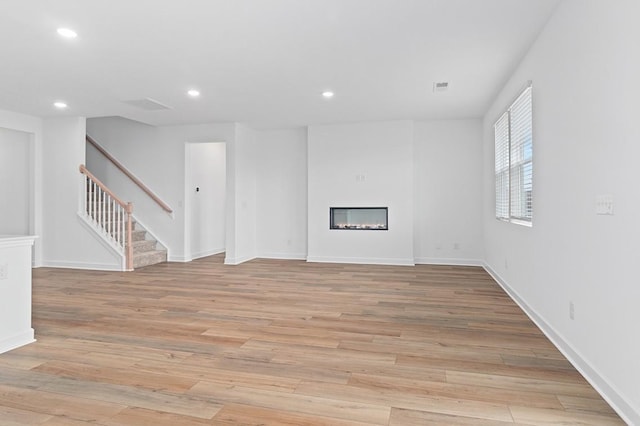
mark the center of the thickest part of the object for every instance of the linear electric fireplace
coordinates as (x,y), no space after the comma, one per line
(359,218)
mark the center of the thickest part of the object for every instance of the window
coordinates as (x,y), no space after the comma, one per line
(514,161)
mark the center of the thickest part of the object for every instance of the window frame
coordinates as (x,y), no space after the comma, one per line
(513,161)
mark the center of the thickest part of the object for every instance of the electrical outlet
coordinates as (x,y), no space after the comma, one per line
(572,312)
(456,246)
(4,271)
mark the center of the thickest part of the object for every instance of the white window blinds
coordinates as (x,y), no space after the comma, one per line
(514,161)
(502,167)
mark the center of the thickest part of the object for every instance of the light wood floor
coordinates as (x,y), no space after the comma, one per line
(276,342)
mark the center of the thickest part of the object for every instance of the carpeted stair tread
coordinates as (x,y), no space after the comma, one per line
(149,258)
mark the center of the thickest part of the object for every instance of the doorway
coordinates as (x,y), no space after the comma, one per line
(205,199)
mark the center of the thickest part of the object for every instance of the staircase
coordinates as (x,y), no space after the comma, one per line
(146,250)
(112,219)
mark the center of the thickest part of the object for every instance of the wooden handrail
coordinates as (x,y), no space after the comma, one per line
(126,206)
(130,175)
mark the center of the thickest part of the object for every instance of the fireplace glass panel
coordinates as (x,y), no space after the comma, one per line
(358,218)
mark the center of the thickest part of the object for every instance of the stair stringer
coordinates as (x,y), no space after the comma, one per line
(150,232)
(104,238)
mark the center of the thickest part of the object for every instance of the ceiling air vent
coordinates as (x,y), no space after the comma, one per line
(147,104)
(440,86)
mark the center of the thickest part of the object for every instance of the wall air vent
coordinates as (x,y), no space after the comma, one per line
(440,86)
(147,104)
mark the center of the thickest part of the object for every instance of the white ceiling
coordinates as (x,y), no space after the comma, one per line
(263,62)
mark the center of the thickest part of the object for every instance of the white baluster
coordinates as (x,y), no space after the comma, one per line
(85,195)
(102,204)
(123,238)
(108,221)
(112,216)
(93,201)
(116,235)
(120,225)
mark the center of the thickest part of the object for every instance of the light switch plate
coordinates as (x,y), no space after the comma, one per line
(604,204)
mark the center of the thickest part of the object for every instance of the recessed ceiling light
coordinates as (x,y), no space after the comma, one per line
(67,33)
(60,105)
(328,94)
(193,93)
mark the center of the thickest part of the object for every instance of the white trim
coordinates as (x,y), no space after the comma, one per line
(188,185)
(283,256)
(362,260)
(448,261)
(81,265)
(17,340)
(16,240)
(590,373)
(525,223)
(206,253)
(99,235)
(238,260)
(181,259)
(198,255)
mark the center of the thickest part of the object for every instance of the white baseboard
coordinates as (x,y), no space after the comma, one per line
(237,260)
(448,261)
(17,340)
(195,256)
(207,253)
(182,259)
(597,380)
(81,265)
(283,256)
(361,260)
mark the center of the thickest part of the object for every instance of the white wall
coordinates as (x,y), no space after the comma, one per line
(584,69)
(156,155)
(382,153)
(241,165)
(33,127)
(15,182)
(66,241)
(281,193)
(205,218)
(448,192)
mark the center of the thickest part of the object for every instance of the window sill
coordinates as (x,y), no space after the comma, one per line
(524,223)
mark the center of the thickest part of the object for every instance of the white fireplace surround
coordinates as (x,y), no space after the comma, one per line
(380,178)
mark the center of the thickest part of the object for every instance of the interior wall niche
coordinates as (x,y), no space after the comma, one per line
(15,182)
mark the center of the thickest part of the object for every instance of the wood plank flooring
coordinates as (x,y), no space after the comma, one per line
(274,342)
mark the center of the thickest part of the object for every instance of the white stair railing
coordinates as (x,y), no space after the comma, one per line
(108,214)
